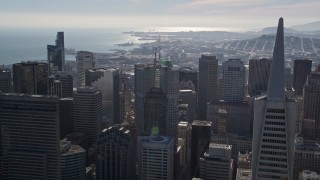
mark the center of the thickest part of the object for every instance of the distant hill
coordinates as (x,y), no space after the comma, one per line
(273,30)
(314,26)
(304,31)
(294,46)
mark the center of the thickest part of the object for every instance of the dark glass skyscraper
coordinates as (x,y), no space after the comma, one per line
(200,140)
(155,109)
(5,80)
(238,119)
(124,96)
(87,112)
(259,70)
(302,68)
(66,84)
(56,56)
(189,97)
(107,81)
(144,80)
(30,78)
(116,156)
(311,113)
(30,138)
(208,84)
(66,116)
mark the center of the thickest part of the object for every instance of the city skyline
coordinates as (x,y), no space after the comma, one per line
(146,89)
(231,15)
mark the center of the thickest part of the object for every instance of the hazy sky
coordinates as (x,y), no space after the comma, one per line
(235,14)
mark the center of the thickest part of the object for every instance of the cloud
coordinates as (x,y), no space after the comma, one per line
(251,11)
(298,10)
(222,2)
(244,14)
(207,4)
(50,20)
(134,3)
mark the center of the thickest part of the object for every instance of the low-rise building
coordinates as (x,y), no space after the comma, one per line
(308,175)
(216,162)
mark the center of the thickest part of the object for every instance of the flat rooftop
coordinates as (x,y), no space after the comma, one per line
(158,139)
(201,123)
(186,91)
(244,174)
(224,103)
(220,146)
(25,96)
(102,69)
(183,124)
(219,151)
(86,89)
(4,71)
(143,66)
(308,147)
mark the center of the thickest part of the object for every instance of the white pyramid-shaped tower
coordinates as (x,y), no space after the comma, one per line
(274,123)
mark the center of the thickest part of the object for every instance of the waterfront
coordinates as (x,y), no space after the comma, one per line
(30,44)
(17,47)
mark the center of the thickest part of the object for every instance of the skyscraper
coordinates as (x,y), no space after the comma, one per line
(238,116)
(208,84)
(66,84)
(155,157)
(30,137)
(188,78)
(30,78)
(184,140)
(143,80)
(85,60)
(125,97)
(274,123)
(115,154)
(219,118)
(307,157)
(87,112)
(233,82)
(183,112)
(155,112)
(56,56)
(311,106)
(189,97)
(169,83)
(301,70)
(54,87)
(200,140)
(259,70)
(66,116)
(107,81)
(5,80)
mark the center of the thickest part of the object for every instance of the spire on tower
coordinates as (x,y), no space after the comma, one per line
(276,85)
